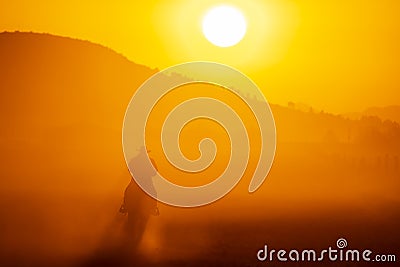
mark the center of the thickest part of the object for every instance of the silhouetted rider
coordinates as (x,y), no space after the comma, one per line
(137,203)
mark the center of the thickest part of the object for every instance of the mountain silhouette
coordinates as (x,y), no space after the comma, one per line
(45,77)
(385,113)
(391,113)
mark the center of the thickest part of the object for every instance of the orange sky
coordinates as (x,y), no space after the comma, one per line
(338,56)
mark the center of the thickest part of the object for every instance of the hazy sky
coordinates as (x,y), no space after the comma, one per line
(334,55)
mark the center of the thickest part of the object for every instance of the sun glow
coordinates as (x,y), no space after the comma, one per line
(224,26)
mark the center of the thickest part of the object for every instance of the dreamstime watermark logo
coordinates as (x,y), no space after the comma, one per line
(341,243)
(340,253)
(235,120)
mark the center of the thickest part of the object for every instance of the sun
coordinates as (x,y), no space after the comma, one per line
(224,26)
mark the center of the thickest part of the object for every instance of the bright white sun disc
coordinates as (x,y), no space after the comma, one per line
(224,26)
